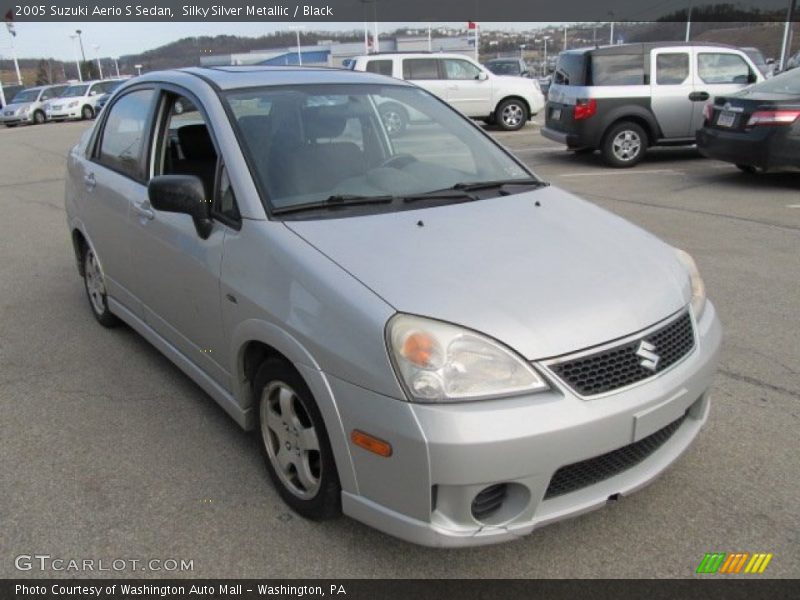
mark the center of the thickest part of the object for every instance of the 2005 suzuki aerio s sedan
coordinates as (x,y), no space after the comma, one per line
(424,335)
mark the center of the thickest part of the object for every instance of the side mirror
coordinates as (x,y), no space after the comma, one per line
(482,76)
(182,194)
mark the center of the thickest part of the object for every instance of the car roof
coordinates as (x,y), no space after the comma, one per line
(640,48)
(229,78)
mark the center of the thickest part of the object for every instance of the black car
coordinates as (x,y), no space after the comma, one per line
(758,128)
(102,100)
(508,66)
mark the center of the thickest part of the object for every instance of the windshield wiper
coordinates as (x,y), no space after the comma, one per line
(470,186)
(335,201)
(458,191)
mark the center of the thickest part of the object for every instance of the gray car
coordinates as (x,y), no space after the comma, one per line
(422,334)
(28,105)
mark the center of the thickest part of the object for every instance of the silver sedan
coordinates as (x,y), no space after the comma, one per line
(421,333)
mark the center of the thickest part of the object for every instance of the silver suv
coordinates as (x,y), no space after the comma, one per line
(622,99)
(421,333)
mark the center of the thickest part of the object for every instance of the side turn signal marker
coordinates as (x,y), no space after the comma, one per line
(371,443)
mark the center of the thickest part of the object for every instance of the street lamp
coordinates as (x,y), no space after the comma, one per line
(80,41)
(521,51)
(138,69)
(116,65)
(77,61)
(97,54)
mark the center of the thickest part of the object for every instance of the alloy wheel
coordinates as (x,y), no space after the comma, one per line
(291,440)
(627,145)
(94,283)
(512,115)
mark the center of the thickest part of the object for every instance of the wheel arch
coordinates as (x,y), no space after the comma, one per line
(634,114)
(254,341)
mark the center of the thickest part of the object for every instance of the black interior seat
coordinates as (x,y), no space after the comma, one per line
(199,155)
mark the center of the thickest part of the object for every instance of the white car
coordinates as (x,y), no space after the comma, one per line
(458,80)
(78,101)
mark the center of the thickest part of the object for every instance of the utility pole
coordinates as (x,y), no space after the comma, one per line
(611,32)
(689,21)
(786,47)
(116,65)
(99,64)
(565,37)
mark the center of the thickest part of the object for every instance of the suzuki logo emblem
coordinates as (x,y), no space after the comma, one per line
(649,357)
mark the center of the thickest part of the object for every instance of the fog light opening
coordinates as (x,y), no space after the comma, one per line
(488,501)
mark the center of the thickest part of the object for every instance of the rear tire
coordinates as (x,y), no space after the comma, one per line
(624,145)
(294,442)
(10,125)
(511,114)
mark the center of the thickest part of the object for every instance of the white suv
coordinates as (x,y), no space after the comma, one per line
(477,92)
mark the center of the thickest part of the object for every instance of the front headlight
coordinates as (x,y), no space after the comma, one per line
(698,287)
(439,362)
(24,110)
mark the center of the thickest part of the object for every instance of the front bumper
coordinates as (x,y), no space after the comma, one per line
(63,114)
(15,119)
(444,455)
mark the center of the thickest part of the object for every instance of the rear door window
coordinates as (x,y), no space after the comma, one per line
(421,68)
(617,69)
(123,133)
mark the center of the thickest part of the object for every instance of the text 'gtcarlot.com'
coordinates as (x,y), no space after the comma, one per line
(46,562)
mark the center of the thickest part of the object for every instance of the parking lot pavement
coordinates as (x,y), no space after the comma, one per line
(108,451)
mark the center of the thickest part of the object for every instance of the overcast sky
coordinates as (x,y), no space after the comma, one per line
(51,40)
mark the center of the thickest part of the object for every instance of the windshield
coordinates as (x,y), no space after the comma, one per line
(506,67)
(309,144)
(786,83)
(26,96)
(74,90)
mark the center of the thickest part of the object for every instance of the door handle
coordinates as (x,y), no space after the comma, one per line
(89,181)
(144,212)
(699,96)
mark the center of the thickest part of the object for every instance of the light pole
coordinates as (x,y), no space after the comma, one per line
(99,64)
(138,69)
(297,29)
(786,45)
(521,51)
(80,41)
(544,67)
(116,65)
(611,32)
(77,60)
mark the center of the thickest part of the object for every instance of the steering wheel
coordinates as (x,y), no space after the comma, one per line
(398,161)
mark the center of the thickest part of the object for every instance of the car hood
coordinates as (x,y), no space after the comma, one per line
(62,99)
(546,279)
(17,105)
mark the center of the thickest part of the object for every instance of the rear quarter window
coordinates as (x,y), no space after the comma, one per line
(570,69)
(617,69)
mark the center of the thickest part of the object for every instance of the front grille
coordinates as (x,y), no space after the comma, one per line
(489,500)
(620,366)
(588,472)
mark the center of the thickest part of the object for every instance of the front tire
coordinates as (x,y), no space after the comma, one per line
(87,112)
(511,114)
(38,118)
(294,442)
(94,282)
(624,145)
